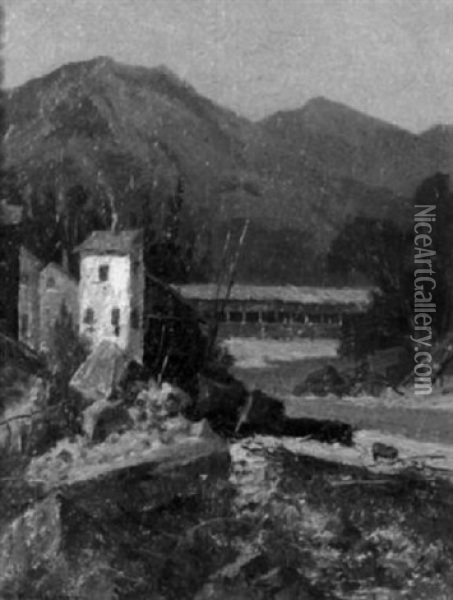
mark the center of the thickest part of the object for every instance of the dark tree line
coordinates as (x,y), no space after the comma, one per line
(56,221)
(173,251)
(53,234)
(384,253)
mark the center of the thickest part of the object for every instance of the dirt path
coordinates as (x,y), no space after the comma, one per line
(433,459)
(416,427)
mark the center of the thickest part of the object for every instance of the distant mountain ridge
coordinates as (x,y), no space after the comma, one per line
(348,143)
(128,133)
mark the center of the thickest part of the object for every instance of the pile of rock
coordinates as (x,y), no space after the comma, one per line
(155,407)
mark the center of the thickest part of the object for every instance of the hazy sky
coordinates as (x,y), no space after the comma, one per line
(390,58)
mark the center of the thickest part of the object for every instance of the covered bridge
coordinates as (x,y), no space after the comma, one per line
(277,311)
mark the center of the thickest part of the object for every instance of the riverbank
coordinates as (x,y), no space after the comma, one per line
(276,368)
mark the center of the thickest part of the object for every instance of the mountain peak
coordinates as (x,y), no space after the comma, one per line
(138,74)
(320,102)
(105,66)
(102,61)
(325,116)
(324,108)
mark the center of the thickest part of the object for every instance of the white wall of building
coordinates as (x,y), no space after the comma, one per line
(104,296)
(122,290)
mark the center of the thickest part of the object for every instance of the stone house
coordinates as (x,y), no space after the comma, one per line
(106,304)
(111,290)
(28,311)
(57,289)
(43,291)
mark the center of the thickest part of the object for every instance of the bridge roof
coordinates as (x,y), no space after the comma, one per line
(287,294)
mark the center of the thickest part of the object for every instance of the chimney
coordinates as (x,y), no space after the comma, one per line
(114,224)
(65,260)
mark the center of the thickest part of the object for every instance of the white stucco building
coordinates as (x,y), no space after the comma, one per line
(111,290)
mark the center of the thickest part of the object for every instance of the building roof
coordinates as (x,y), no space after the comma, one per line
(42,266)
(56,267)
(285,294)
(109,242)
(26,254)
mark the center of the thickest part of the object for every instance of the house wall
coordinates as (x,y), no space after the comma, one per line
(28,310)
(56,289)
(123,290)
(137,295)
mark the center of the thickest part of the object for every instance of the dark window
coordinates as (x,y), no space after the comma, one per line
(299,317)
(221,316)
(135,319)
(252,317)
(103,273)
(115,316)
(235,316)
(282,316)
(24,324)
(89,316)
(116,320)
(50,282)
(315,318)
(269,316)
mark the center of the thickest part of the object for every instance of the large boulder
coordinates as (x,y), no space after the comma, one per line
(91,500)
(101,374)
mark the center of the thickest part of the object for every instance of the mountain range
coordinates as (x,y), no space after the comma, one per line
(129,134)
